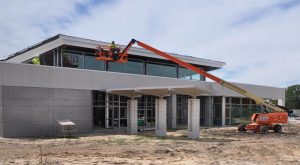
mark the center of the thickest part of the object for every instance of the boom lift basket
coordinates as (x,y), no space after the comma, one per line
(105,53)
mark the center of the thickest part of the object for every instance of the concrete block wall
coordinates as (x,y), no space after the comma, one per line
(75,105)
(32,112)
(1,123)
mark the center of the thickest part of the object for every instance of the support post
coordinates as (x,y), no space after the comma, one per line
(281,102)
(160,117)
(132,106)
(223,110)
(193,118)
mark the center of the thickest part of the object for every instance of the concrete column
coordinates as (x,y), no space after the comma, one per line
(174,111)
(208,111)
(160,117)
(132,125)
(106,110)
(281,102)
(193,118)
(223,110)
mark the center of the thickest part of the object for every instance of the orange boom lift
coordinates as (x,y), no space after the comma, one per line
(272,118)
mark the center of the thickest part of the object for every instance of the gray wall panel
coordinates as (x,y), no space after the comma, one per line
(74,103)
(1,129)
(69,78)
(72,94)
(0,94)
(1,124)
(72,113)
(41,77)
(27,129)
(0,103)
(1,120)
(15,75)
(13,92)
(27,102)
(26,114)
(29,111)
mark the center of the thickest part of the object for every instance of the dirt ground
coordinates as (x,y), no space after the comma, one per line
(216,146)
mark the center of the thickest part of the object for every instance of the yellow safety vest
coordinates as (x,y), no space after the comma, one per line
(113,46)
(36,60)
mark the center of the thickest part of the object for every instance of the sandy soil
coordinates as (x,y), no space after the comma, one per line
(216,146)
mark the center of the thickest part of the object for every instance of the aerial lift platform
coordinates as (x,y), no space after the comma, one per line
(272,118)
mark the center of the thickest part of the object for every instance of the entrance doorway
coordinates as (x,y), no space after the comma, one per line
(99,109)
(146,110)
(217,110)
(117,111)
(109,110)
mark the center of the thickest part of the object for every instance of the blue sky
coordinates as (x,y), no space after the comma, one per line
(258,40)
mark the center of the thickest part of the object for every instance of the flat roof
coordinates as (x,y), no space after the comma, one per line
(60,39)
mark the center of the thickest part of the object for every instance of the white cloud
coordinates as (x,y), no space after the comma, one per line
(259,40)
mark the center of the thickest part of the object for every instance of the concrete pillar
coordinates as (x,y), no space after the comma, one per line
(174,111)
(281,102)
(223,110)
(193,118)
(132,125)
(208,111)
(160,117)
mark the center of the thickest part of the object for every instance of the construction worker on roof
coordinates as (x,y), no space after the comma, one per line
(36,60)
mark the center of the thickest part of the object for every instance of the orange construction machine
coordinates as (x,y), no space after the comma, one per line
(272,118)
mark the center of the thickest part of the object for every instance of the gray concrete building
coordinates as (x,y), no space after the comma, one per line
(146,92)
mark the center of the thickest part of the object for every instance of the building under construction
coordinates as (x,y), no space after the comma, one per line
(146,92)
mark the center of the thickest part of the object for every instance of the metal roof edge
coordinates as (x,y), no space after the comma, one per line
(135,50)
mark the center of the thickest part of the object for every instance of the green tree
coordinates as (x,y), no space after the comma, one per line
(292,97)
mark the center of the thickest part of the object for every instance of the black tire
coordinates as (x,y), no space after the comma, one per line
(278,128)
(242,128)
(264,129)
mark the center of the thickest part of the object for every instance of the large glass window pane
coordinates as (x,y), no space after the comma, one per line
(90,62)
(72,59)
(47,58)
(135,67)
(187,74)
(161,70)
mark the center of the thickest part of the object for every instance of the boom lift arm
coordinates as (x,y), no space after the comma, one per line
(260,122)
(258,100)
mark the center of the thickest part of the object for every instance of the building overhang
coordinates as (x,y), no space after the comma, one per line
(160,91)
(26,75)
(61,40)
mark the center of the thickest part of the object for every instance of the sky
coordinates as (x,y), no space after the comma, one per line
(259,40)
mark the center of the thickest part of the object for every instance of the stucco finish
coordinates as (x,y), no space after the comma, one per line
(56,77)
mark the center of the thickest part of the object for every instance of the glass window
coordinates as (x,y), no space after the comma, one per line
(135,67)
(72,59)
(91,63)
(47,58)
(161,70)
(187,74)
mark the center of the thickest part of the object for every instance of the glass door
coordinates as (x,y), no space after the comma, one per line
(117,111)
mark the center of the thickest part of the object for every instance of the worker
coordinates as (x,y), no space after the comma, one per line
(113,45)
(115,51)
(36,60)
